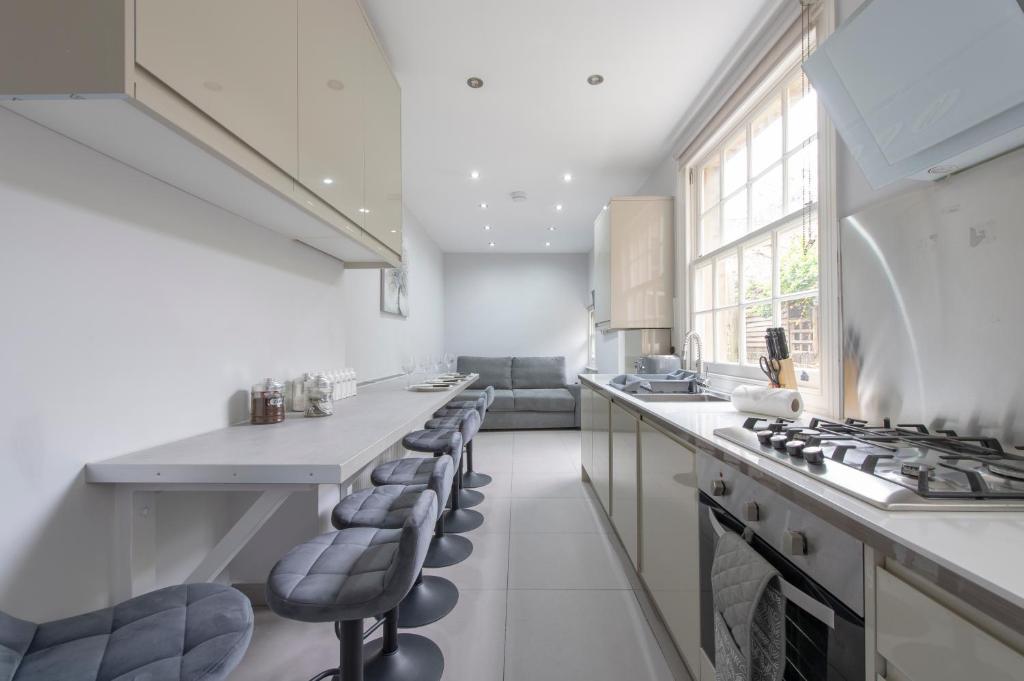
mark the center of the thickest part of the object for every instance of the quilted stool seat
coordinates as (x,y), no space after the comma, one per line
(189,632)
(359,572)
(458,415)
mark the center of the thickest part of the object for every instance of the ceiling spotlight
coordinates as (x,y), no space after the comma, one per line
(604,207)
(487,228)
(364,211)
(328,180)
(547,243)
(552,228)
(491,244)
(394,231)
(595,79)
(567,177)
(558,207)
(475,83)
(474,175)
(483,205)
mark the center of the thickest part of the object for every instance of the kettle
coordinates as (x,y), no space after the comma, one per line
(657,364)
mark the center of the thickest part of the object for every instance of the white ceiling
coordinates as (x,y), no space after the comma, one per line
(536,117)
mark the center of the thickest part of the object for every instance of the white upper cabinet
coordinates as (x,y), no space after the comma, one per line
(233,59)
(382,196)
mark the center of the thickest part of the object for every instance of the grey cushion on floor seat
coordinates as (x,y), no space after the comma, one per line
(538,372)
(354,573)
(494,371)
(388,506)
(190,632)
(544,399)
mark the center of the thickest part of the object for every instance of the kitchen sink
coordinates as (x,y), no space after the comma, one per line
(679,397)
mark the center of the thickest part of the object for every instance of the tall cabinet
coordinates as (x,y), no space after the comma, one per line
(282,111)
(633,263)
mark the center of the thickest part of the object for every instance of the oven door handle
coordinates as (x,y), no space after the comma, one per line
(812,606)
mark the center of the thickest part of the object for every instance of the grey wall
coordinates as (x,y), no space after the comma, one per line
(134,315)
(517,304)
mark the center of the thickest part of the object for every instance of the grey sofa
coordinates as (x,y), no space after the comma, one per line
(529,392)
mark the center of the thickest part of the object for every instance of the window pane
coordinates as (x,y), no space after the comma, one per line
(736,162)
(756,319)
(766,137)
(711,177)
(727,336)
(734,217)
(710,230)
(704,325)
(803,112)
(757,271)
(798,258)
(800,320)
(727,280)
(802,168)
(766,198)
(702,288)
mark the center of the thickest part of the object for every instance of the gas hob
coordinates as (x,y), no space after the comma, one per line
(894,467)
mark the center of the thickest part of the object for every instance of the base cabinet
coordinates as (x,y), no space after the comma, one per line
(587,430)
(625,481)
(600,477)
(669,538)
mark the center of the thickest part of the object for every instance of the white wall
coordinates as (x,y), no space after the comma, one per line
(134,315)
(517,305)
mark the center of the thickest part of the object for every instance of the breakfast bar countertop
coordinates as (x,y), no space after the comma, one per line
(299,450)
(983,549)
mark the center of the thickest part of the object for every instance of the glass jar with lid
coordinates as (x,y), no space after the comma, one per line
(319,394)
(267,402)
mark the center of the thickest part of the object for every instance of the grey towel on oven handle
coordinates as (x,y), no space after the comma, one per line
(750,614)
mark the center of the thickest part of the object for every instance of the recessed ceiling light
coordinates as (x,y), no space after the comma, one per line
(547,243)
(483,205)
(394,231)
(328,180)
(364,210)
(487,228)
(552,228)
(558,207)
(474,175)
(475,83)
(567,177)
(604,207)
(595,79)
(491,244)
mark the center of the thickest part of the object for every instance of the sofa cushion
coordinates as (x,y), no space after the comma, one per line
(538,372)
(544,399)
(494,371)
(504,400)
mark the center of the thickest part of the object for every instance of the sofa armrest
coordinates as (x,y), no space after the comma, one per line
(574,390)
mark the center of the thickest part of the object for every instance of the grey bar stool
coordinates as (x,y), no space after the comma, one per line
(467,422)
(388,507)
(189,632)
(348,575)
(471,478)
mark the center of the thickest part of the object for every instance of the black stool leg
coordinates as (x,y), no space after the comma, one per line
(471,478)
(352,650)
(430,599)
(401,657)
(459,519)
(446,549)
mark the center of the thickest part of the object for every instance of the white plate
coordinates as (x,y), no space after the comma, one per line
(428,388)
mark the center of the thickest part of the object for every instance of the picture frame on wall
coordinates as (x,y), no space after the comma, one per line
(394,291)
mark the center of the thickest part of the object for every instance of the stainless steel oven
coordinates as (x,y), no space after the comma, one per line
(822,569)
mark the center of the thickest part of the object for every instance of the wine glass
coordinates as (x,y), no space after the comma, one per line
(408,367)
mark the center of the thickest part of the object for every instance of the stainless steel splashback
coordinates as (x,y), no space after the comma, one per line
(933,304)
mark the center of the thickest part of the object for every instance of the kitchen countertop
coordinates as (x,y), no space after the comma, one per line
(323,450)
(984,548)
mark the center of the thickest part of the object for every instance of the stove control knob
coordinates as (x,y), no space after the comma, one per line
(794,543)
(718,488)
(751,512)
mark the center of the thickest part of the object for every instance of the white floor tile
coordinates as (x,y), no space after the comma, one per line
(585,635)
(554,463)
(486,567)
(543,485)
(500,485)
(555,516)
(564,561)
(286,649)
(491,461)
(497,513)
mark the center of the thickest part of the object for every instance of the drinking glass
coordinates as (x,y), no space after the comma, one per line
(408,367)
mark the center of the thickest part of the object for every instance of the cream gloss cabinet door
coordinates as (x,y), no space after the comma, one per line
(333,47)
(587,429)
(600,477)
(625,481)
(382,196)
(641,262)
(235,60)
(602,268)
(669,540)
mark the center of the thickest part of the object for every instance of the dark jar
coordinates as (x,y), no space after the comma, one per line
(267,402)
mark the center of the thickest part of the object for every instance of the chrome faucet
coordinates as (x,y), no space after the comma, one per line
(701,379)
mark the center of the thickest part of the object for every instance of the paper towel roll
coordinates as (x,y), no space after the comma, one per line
(768,401)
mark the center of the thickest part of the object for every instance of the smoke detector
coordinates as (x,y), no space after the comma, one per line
(518,196)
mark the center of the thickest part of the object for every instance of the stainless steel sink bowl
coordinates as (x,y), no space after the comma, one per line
(679,397)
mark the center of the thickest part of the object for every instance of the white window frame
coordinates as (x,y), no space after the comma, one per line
(828,400)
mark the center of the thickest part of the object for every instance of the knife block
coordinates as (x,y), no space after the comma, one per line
(787,375)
